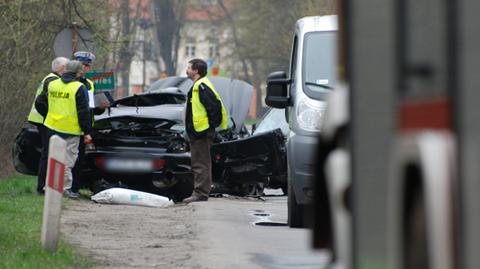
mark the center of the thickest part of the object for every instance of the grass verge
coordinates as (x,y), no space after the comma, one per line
(21,210)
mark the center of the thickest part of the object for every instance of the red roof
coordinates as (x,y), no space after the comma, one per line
(206,12)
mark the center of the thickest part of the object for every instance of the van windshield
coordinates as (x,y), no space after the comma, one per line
(320,61)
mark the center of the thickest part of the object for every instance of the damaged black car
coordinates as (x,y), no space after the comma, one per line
(140,143)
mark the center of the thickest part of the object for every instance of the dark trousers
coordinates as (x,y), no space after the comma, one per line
(77,169)
(43,164)
(202,164)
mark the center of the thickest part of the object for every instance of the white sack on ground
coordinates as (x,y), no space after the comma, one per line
(130,197)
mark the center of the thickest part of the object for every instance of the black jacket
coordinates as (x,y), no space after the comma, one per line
(81,99)
(213,107)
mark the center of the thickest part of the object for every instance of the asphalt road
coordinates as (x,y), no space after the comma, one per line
(221,233)
(234,237)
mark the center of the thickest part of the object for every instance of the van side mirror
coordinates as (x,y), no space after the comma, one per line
(277,93)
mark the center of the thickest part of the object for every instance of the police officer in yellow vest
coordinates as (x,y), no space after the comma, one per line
(69,115)
(87,59)
(34,117)
(204,112)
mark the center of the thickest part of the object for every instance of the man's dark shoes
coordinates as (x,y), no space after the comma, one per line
(195,198)
(71,194)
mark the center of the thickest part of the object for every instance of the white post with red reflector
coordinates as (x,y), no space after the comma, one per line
(53,193)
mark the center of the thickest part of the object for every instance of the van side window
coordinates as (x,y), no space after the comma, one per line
(293,66)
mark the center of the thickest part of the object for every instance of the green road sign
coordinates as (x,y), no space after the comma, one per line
(103,80)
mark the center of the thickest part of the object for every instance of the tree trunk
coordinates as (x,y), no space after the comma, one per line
(168,27)
(125,55)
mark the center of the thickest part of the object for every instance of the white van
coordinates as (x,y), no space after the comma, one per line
(312,76)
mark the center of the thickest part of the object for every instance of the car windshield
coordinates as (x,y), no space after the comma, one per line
(319,75)
(273,119)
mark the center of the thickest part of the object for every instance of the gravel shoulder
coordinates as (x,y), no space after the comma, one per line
(122,236)
(220,233)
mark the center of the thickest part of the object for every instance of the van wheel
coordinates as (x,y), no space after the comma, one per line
(415,247)
(295,211)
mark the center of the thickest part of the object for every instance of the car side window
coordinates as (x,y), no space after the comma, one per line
(293,64)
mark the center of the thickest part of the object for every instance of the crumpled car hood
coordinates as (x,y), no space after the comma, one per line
(236,94)
(169,111)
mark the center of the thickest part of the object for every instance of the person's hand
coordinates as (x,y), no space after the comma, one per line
(87,139)
(104,105)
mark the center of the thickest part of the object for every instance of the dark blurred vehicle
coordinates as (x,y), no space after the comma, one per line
(140,143)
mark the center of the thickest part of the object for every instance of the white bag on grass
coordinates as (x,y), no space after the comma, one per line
(131,197)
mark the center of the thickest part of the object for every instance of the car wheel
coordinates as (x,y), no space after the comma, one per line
(252,189)
(285,189)
(415,246)
(181,190)
(295,211)
(100,185)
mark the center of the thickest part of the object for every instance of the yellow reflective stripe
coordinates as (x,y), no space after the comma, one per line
(64,124)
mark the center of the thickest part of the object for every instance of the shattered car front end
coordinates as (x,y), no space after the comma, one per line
(139,144)
(139,153)
(245,166)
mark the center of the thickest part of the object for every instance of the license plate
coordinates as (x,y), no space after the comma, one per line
(127,165)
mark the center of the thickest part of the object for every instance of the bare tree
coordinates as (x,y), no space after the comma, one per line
(26,41)
(168,23)
(126,22)
(262,34)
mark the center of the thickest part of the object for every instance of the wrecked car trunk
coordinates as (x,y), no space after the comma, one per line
(26,150)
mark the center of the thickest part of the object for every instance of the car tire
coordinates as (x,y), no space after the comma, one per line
(415,246)
(285,189)
(295,210)
(100,185)
(252,189)
(181,190)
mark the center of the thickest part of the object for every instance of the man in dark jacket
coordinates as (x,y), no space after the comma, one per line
(204,112)
(68,115)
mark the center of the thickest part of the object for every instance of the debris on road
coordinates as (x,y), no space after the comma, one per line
(131,197)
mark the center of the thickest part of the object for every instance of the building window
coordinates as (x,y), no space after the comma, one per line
(213,51)
(190,48)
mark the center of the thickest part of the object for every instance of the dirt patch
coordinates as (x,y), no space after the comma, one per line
(120,236)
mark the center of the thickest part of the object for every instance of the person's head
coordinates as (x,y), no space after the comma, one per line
(76,67)
(58,65)
(196,69)
(86,58)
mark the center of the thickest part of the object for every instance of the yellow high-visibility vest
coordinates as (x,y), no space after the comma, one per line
(62,107)
(199,113)
(34,116)
(92,90)
(92,87)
